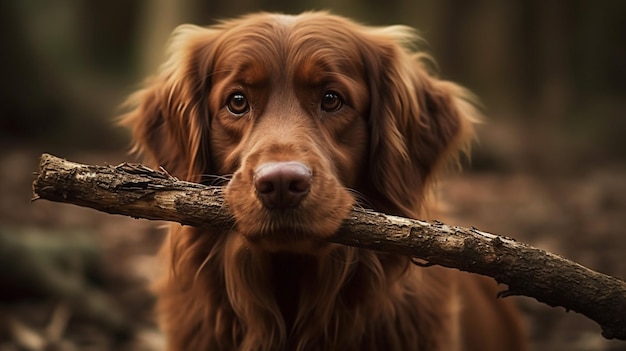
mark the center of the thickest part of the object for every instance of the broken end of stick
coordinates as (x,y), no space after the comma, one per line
(45,158)
(44,161)
(610,332)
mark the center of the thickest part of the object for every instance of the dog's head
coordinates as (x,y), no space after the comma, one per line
(301,113)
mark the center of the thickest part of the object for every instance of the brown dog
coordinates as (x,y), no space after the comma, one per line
(304,117)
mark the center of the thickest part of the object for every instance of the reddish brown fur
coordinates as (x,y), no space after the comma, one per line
(273,282)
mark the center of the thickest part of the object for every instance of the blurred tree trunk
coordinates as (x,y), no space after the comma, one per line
(158,20)
(24,72)
(450,23)
(102,29)
(541,46)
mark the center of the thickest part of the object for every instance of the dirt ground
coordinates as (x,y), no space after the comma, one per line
(109,260)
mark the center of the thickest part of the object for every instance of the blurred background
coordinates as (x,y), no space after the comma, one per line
(549,170)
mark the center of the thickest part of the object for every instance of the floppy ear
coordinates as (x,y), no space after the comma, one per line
(417,122)
(169,117)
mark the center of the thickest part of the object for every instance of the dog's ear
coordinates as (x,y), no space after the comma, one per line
(418,123)
(169,117)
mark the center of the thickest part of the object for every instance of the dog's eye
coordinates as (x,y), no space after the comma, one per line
(238,104)
(331,101)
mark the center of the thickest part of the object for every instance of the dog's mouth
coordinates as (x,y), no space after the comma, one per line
(287,241)
(286,206)
(288,233)
(302,229)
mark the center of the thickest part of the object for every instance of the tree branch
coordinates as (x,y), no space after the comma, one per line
(137,191)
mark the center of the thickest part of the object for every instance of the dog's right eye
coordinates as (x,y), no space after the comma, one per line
(237,104)
(331,102)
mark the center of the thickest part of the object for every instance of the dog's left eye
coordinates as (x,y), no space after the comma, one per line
(238,104)
(331,102)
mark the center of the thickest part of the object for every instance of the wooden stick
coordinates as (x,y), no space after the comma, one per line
(137,191)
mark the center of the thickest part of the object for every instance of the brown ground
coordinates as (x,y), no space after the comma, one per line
(581,217)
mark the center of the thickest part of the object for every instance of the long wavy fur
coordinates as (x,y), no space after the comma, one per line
(221,292)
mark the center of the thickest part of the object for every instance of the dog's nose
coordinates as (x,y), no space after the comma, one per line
(282,185)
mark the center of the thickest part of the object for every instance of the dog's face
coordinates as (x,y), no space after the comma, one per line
(289,103)
(301,111)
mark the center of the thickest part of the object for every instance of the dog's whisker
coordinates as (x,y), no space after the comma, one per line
(361,201)
(215,180)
